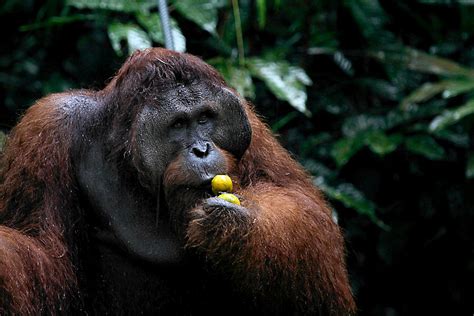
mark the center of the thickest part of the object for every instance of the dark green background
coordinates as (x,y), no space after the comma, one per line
(387,130)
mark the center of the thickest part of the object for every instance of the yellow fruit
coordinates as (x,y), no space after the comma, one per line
(221,183)
(229,197)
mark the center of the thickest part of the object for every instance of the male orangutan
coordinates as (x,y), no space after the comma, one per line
(106,205)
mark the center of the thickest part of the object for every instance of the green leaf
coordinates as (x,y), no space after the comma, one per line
(356,124)
(152,23)
(423,93)
(449,89)
(284,121)
(371,20)
(426,146)
(345,148)
(359,123)
(427,63)
(450,117)
(240,79)
(285,81)
(237,77)
(382,144)
(470,166)
(201,12)
(351,197)
(57,20)
(135,37)
(419,61)
(457,137)
(445,2)
(308,144)
(262,13)
(457,87)
(114,5)
(377,141)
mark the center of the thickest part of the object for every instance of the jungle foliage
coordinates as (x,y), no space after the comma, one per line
(374,97)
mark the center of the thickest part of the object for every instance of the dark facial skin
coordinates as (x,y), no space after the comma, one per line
(180,137)
(181,125)
(183,135)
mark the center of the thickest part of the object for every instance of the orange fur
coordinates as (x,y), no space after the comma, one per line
(281,247)
(291,251)
(35,263)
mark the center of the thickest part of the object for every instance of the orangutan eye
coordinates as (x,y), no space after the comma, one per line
(178,123)
(202,119)
(205,117)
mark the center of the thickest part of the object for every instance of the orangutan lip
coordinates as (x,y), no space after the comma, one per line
(205,184)
(203,187)
(207,188)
